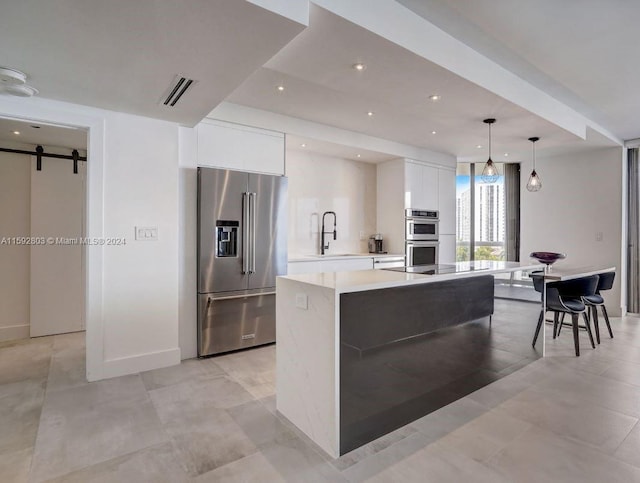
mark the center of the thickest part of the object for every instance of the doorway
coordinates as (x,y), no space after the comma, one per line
(43,178)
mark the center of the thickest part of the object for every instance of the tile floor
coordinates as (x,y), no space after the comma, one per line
(557,419)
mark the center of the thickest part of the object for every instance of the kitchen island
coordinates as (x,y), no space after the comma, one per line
(362,353)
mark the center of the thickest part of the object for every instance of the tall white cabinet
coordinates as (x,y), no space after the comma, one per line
(404,183)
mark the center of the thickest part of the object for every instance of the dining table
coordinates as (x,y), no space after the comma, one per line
(559,273)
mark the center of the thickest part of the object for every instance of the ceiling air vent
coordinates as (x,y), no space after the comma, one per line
(176,90)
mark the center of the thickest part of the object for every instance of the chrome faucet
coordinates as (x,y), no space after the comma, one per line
(324,247)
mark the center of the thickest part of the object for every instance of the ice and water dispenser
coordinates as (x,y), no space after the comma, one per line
(227,238)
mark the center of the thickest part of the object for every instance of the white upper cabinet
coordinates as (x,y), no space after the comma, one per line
(430,188)
(414,195)
(447,201)
(403,183)
(234,146)
(421,186)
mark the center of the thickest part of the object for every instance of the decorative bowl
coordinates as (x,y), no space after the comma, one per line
(548,258)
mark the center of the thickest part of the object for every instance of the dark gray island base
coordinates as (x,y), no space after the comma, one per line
(365,352)
(405,352)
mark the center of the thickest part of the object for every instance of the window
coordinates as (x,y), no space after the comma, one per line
(480,215)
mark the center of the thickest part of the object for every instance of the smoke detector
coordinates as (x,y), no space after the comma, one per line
(20,90)
(13,82)
(12,76)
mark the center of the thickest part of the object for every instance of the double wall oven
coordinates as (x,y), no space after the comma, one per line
(421,237)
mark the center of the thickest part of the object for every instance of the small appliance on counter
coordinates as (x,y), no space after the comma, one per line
(375,244)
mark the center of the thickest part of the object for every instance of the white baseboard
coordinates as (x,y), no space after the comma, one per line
(137,363)
(14,332)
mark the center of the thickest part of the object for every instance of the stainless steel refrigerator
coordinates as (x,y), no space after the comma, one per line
(242,247)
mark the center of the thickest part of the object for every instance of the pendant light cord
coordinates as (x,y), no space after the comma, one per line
(533,149)
(534,155)
(489,141)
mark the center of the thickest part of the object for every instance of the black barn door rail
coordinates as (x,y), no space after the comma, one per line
(39,154)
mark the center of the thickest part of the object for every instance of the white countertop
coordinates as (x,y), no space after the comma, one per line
(340,256)
(361,280)
(561,273)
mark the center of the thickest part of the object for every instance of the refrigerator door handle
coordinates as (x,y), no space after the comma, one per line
(211,300)
(245,233)
(252,208)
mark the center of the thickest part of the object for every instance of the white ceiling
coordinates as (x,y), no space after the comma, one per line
(583,52)
(43,134)
(321,86)
(123,55)
(306,144)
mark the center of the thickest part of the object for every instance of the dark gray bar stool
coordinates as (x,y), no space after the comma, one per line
(594,301)
(553,302)
(566,297)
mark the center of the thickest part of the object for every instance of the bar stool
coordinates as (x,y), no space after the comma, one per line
(565,297)
(553,302)
(594,301)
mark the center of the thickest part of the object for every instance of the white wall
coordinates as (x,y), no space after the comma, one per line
(188,195)
(140,278)
(319,183)
(580,197)
(15,213)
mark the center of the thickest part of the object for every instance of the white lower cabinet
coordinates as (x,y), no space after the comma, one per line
(347,265)
(315,266)
(294,268)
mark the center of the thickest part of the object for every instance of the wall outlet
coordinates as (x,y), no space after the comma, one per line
(147,233)
(599,236)
(302,301)
(362,235)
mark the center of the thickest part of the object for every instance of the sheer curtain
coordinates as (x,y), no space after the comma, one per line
(633,259)
(512,211)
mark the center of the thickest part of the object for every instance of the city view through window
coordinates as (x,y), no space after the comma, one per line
(480,215)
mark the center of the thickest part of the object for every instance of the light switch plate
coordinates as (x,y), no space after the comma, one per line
(147,233)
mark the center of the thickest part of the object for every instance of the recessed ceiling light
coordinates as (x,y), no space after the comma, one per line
(359,66)
(303,145)
(357,155)
(280,88)
(434,97)
(434,132)
(479,146)
(506,155)
(370,113)
(17,133)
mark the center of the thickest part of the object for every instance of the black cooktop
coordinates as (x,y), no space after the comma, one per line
(436,269)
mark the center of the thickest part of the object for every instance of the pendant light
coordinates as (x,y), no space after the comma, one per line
(534,183)
(490,172)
